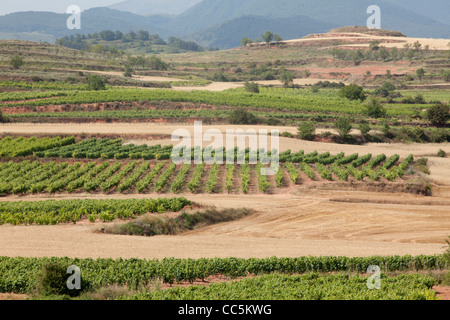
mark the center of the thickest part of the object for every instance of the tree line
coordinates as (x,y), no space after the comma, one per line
(81,41)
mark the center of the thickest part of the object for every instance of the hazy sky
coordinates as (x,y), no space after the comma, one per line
(60,6)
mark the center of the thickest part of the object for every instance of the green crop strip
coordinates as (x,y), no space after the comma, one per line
(63,211)
(20,274)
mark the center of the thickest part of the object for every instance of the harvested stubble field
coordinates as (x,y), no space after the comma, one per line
(302,220)
(315,222)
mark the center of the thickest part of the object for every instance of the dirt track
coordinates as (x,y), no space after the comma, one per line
(434,44)
(215,86)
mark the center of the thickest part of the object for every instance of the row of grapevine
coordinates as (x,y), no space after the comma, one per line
(107,149)
(341,173)
(115,179)
(324,172)
(348,159)
(134,177)
(20,274)
(376,161)
(263,182)
(279,177)
(19,147)
(306,168)
(245,178)
(61,211)
(229,177)
(194,184)
(301,287)
(61,183)
(391,161)
(80,182)
(180,179)
(143,184)
(211,184)
(293,172)
(361,160)
(92,185)
(160,184)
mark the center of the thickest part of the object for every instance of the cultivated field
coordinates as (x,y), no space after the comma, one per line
(79,161)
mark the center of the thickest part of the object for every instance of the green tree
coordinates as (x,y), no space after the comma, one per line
(388,74)
(107,35)
(438,114)
(352,92)
(267,37)
(307,130)
(395,53)
(118,35)
(143,35)
(445,74)
(95,82)
(287,78)
(16,61)
(246,41)
(277,38)
(374,109)
(410,54)
(388,86)
(364,127)
(128,72)
(375,45)
(357,57)
(156,63)
(52,280)
(383,53)
(343,127)
(252,87)
(98,48)
(417,45)
(241,116)
(420,73)
(385,127)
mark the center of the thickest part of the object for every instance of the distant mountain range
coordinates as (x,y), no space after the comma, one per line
(152,7)
(223,23)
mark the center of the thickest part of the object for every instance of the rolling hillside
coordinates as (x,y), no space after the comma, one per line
(351,12)
(152,7)
(224,23)
(230,33)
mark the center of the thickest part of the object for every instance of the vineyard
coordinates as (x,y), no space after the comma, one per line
(89,177)
(84,149)
(54,212)
(20,274)
(141,176)
(311,286)
(302,101)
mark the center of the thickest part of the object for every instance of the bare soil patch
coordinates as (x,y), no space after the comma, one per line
(442,292)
